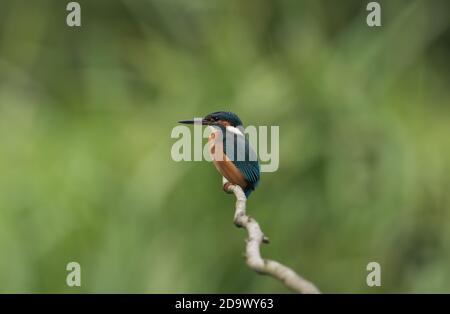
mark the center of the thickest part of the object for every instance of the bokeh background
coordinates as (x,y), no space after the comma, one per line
(86,116)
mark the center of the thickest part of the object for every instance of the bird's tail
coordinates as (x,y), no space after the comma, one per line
(248,191)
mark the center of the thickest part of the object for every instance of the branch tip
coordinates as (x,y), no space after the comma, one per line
(252,253)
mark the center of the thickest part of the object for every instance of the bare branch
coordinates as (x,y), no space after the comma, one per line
(253,256)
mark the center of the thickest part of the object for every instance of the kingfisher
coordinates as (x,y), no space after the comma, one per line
(230,150)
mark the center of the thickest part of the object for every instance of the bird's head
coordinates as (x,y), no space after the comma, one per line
(218,118)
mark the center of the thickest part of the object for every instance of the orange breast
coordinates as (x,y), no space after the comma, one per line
(223,164)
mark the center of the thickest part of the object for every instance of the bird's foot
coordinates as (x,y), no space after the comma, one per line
(227,187)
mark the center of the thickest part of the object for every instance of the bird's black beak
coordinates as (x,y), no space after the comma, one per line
(198,121)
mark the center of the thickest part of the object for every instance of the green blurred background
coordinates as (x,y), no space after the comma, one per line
(86,115)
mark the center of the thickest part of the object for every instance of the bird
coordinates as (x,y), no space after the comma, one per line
(230,150)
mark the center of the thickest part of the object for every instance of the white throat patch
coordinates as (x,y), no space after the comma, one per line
(234,130)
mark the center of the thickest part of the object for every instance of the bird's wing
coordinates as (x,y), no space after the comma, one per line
(243,157)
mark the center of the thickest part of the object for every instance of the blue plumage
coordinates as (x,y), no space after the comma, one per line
(236,146)
(244,158)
